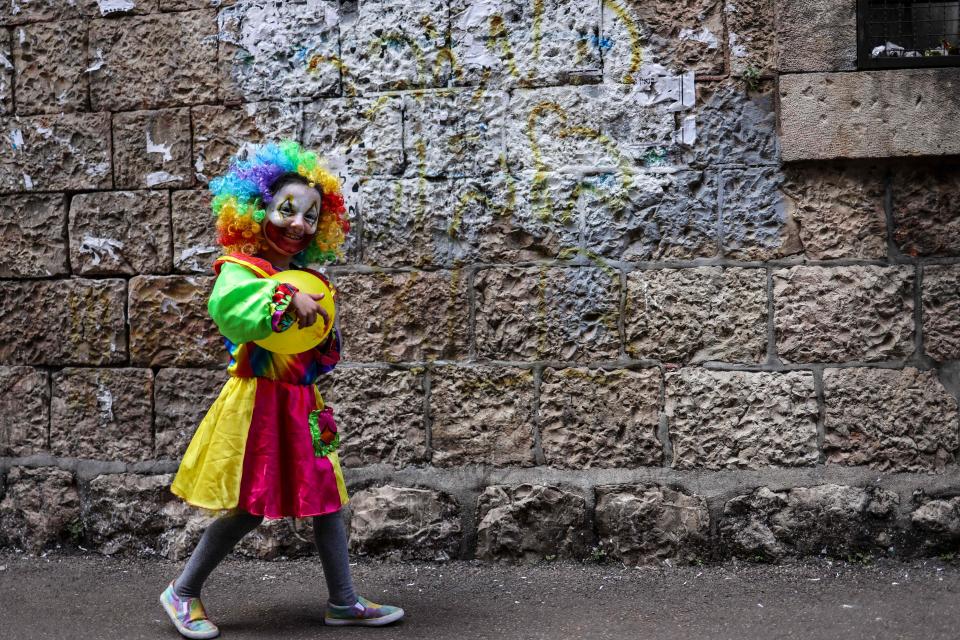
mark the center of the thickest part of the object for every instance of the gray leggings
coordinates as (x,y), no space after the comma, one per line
(224,533)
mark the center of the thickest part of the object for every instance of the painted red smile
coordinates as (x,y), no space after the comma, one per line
(286,241)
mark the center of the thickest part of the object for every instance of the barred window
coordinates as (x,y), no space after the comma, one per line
(894,34)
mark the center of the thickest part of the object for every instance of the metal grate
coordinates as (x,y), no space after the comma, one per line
(906,33)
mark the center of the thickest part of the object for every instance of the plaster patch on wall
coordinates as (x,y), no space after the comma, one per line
(281,49)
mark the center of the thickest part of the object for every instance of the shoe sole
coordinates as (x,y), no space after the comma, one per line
(186,633)
(360,622)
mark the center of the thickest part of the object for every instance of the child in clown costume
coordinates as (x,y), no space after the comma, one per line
(267,446)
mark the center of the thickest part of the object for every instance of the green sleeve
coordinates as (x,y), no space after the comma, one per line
(241,304)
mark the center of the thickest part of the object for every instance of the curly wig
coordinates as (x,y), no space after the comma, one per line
(241,196)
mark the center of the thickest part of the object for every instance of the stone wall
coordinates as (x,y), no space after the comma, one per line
(587,310)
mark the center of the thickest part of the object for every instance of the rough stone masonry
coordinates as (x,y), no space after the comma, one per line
(587,310)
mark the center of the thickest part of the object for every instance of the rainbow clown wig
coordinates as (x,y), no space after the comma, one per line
(241,196)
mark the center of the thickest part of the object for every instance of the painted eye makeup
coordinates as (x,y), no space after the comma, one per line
(312,214)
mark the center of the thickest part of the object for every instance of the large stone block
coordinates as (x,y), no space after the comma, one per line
(423,223)
(405,523)
(120,232)
(548,313)
(515,43)
(695,315)
(131,514)
(57,152)
(453,133)
(608,127)
(828,518)
(749,36)
(366,132)
(642,524)
(871,114)
(452,222)
(194,232)
(529,523)
(741,420)
(152,149)
(379,414)
(417,315)
(753,215)
(169,323)
(102,414)
(684,36)
(838,209)
(220,132)
(83,323)
(644,215)
(600,418)
(926,209)
(146,62)
(393,44)
(40,508)
(937,521)
(24,411)
(481,416)
(734,126)
(33,243)
(48,80)
(816,35)
(888,419)
(941,312)
(271,49)
(840,314)
(181,399)
(18,12)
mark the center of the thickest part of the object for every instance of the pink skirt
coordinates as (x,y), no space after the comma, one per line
(257,451)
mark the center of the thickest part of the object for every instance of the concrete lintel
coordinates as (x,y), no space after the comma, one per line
(870,114)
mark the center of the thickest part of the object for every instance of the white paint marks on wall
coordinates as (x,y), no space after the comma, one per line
(197,258)
(16,139)
(737,50)
(105,403)
(115,6)
(5,62)
(27,182)
(100,248)
(161,177)
(198,166)
(156,147)
(98,170)
(97,61)
(704,35)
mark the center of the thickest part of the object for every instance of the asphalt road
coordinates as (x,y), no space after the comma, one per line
(81,597)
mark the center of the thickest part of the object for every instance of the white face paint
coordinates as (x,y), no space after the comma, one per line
(292,218)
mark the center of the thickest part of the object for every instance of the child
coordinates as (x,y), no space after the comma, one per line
(267,446)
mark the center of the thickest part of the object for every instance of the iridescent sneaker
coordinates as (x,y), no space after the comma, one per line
(187,615)
(363,613)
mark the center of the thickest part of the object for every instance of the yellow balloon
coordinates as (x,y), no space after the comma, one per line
(295,339)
